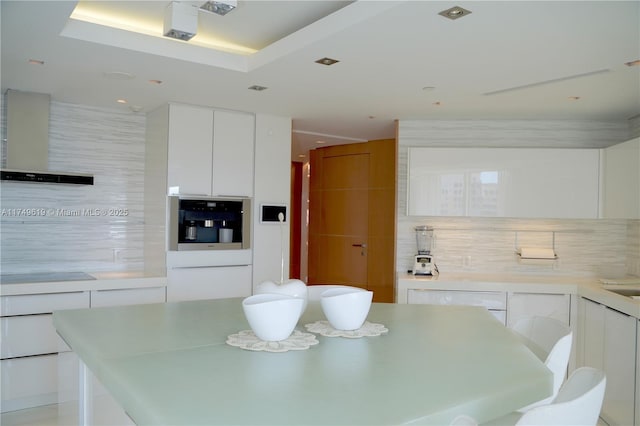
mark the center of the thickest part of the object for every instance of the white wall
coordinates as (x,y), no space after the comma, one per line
(593,247)
(272,186)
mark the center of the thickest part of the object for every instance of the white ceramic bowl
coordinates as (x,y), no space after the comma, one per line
(272,317)
(346,308)
(315,291)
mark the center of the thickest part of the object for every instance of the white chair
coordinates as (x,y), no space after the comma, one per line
(551,341)
(578,403)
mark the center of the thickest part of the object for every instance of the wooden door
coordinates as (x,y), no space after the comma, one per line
(352,217)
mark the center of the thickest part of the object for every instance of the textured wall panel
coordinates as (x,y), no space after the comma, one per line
(80,228)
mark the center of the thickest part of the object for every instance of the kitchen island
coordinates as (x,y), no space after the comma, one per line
(169,364)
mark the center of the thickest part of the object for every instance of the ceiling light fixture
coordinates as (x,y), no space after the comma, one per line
(155,81)
(327,61)
(121,101)
(454,12)
(180,21)
(633,63)
(219,7)
(574,98)
(257,88)
(36,62)
(118,75)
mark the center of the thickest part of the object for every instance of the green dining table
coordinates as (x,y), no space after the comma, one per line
(170,364)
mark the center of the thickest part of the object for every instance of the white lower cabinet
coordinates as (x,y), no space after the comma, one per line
(619,361)
(29,382)
(38,367)
(210,282)
(129,296)
(31,348)
(524,305)
(42,336)
(609,344)
(494,301)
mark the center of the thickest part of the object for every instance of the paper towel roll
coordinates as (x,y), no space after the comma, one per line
(537,253)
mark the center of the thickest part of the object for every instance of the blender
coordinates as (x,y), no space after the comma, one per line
(423,264)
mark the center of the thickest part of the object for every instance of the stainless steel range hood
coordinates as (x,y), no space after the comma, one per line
(28,142)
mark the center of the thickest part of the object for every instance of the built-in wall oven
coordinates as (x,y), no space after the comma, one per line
(209,223)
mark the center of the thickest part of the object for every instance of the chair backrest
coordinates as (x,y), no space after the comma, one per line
(578,402)
(551,341)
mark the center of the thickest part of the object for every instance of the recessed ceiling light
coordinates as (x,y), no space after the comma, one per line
(454,12)
(428,88)
(257,88)
(121,101)
(155,81)
(219,7)
(118,75)
(327,61)
(633,63)
(36,62)
(574,98)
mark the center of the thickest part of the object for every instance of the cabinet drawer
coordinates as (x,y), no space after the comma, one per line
(43,303)
(495,300)
(526,305)
(29,335)
(133,296)
(218,282)
(29,382)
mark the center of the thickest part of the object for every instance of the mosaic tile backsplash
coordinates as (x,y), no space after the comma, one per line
(62,228)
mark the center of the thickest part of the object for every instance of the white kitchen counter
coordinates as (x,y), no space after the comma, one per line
(100,281)
(588,287)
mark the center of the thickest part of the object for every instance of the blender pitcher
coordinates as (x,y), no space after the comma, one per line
(424,239)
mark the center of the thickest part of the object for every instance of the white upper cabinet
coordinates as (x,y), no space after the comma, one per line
(233,136)
(210,152)
(190,149)
(503,182)
(621,181)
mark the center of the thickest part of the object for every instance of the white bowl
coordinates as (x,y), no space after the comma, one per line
(272,317)
(346,308)
(315,291)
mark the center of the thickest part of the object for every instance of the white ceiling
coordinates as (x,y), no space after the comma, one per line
(506,60)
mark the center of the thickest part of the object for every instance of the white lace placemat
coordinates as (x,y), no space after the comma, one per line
(368,329)
(298,341)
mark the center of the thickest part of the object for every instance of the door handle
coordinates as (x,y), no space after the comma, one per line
(362,248)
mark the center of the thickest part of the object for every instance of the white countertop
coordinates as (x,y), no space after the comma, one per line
(589,287)
(95,281)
